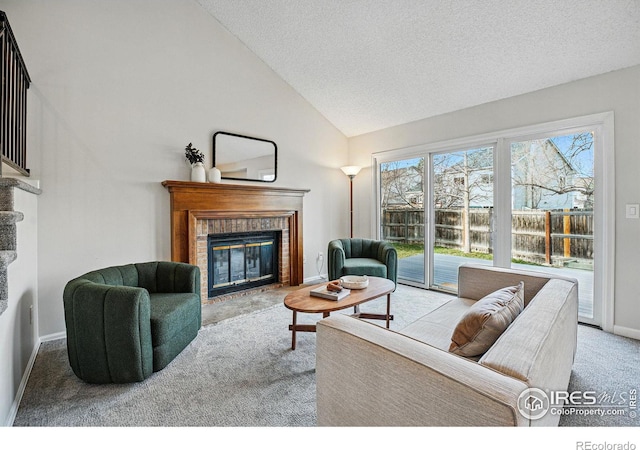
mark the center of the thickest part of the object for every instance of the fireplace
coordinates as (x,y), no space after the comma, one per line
(232,232)
(202,209)
(239,261)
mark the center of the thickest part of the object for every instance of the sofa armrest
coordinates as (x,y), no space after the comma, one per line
(335,259)
(183,277)
(388,255)
(540,346)
(369,376)
(108,332)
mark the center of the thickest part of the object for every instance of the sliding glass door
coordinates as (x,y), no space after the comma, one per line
(462,212)
(552,209)
(538,198)
(402,215)
(459,186)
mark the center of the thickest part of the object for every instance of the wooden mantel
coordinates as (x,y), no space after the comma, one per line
(191,200)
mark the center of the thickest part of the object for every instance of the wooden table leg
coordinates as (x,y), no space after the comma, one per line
(294,327)
(293,332)
(388,316)
(388,308)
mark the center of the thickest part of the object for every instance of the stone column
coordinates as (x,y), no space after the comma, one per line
(8,232)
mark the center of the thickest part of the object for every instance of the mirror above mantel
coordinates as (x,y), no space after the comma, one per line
(245,158)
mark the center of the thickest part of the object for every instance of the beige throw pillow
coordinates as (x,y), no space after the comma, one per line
(485,321)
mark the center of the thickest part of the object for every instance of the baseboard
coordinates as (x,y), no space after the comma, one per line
(23,385)
(27,373)
(626,332)
(316,279)
(53,337)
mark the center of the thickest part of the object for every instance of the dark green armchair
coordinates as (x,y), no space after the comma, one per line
(357,256)
(126,322)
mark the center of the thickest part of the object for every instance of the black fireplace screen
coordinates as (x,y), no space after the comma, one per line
(241,261)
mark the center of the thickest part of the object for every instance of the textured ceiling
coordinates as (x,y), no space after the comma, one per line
(368,65)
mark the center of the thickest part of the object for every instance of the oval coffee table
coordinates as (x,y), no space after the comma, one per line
(302,301)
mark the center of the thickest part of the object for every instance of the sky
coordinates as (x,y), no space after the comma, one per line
(584,162)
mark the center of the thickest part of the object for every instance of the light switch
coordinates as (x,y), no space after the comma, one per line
(633,211)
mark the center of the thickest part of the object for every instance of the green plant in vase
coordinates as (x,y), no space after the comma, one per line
(196,159)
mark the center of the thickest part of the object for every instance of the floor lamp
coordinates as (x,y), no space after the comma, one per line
(351,172)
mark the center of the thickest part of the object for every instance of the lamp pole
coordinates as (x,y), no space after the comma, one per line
(351,177)
(351,172)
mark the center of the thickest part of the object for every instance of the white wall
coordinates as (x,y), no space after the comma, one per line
(119,88)
(18,335)
(617,91)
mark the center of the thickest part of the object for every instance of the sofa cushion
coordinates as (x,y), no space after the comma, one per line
(486,320)
(364,266)
(171,314)
(436,327)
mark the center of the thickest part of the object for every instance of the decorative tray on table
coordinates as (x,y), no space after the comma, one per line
(354,281)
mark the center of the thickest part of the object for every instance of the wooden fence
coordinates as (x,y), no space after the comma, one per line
(546,237)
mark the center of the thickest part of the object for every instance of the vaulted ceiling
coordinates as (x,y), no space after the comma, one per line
(371,64)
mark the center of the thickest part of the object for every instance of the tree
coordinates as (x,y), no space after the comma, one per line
(463,179)
(402,184)
(549,171)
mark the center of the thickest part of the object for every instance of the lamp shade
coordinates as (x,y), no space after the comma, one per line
(351,171)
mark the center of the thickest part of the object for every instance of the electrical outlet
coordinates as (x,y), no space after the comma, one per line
(319,262)
(633,211)
(31,315)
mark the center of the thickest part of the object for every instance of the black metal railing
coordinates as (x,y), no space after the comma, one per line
(13,101)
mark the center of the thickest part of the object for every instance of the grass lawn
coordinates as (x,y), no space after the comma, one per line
(405,250)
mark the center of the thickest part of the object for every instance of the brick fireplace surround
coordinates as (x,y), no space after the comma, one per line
(200,209)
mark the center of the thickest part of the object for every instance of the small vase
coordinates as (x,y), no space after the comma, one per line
(214,175)
(198,173)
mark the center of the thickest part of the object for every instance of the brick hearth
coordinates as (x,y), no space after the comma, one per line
(205,227)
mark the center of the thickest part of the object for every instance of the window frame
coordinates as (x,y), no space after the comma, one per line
(604,208)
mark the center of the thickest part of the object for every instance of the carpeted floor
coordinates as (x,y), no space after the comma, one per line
(241,371)
(608,366)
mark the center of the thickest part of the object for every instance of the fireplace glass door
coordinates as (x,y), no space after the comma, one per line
(241,261)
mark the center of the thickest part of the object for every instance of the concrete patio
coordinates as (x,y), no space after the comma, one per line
(446,275)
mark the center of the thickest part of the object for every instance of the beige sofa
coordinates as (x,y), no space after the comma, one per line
(370,376)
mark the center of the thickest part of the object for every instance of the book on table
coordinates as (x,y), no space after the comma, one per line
(323,292)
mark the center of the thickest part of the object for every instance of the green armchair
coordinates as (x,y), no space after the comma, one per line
(126,322)
(357,256)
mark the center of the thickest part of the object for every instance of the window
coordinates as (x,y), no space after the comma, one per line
(488,197)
